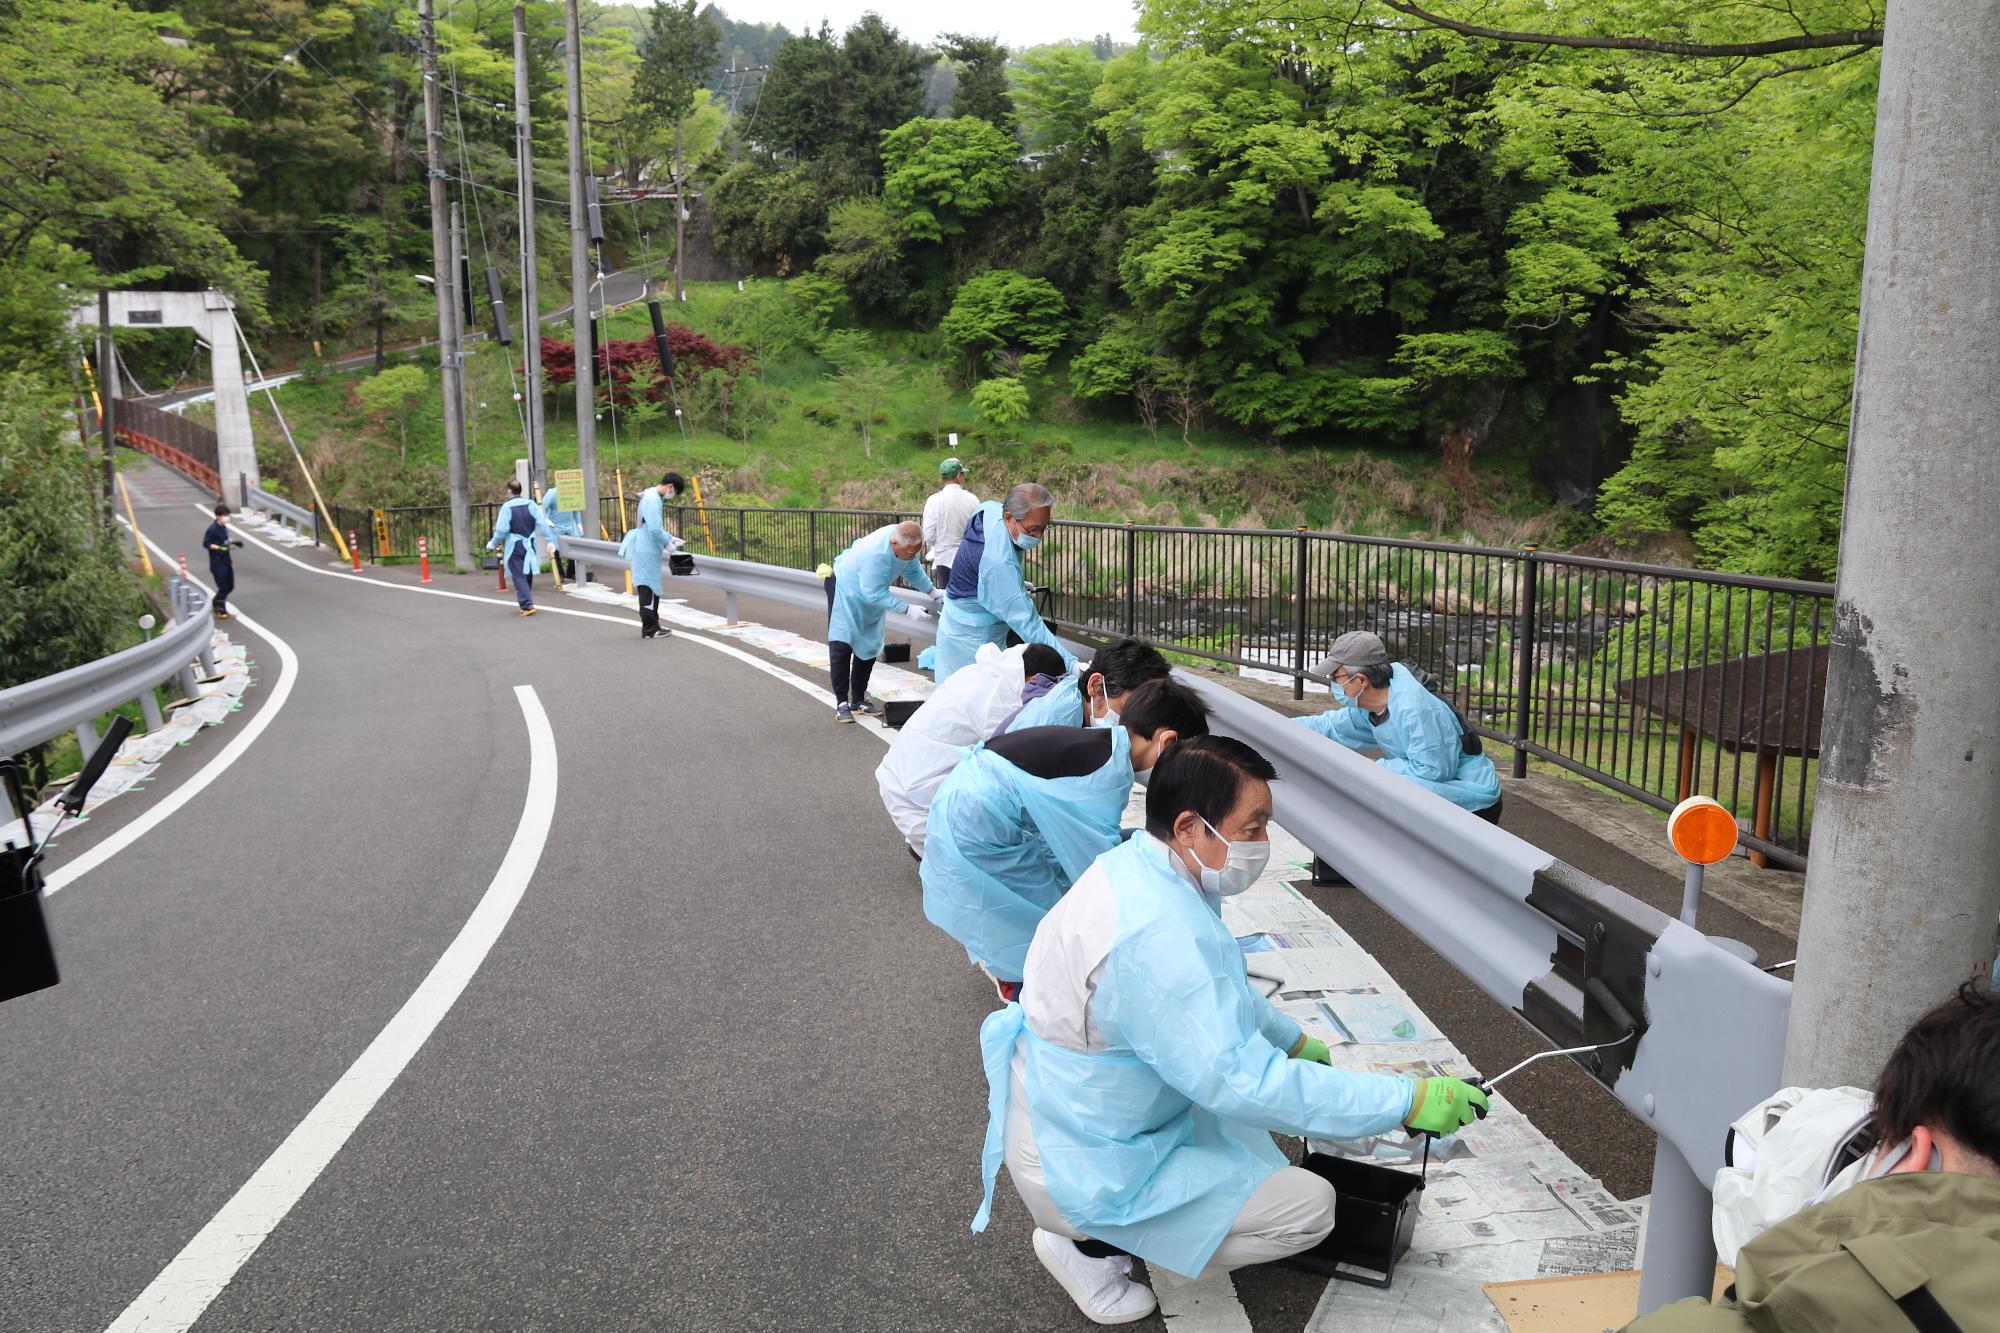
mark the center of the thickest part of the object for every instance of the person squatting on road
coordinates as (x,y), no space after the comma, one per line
(946,513)
(962,712)
(858,598)
(1383,706)
(516,524)
(1134,1087)
(1025,814)
(221,567)
(1093,696)
(1913,1243)
(986,595)
(645,549)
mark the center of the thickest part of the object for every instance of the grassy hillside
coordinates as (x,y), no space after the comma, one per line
(787,441)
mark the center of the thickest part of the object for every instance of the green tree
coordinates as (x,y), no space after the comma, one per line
(829,102)
(939,175)
(674,60)
(1053,93)
(865,252)
(981,64)
(767,321)
(376,285)
(396,392)
(861,386)
(1001,401)
(1002,309)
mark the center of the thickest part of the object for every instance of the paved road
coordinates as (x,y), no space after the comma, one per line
(716,1072)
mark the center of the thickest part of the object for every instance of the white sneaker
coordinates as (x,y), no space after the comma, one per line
(1102,1288)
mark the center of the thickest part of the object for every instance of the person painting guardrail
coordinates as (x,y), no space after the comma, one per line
(645,546)
(987,595)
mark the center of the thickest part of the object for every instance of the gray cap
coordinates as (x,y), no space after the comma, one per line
(1354,650)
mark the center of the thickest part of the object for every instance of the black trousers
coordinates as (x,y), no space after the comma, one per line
(850,673)
(225,583)
(649,611)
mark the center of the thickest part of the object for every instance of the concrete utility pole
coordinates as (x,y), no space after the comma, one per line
(531,314)
(680,216)
(579,274)
(1905,874)
(107,393)
(451,361)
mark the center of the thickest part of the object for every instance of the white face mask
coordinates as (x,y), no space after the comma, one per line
(1110,718)
(1142,774)
(1241,866)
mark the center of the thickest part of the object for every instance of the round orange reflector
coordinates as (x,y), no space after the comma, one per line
(1701,830)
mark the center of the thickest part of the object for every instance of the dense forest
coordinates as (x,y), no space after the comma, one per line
(1622,240)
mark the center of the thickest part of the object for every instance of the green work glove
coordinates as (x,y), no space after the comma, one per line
(1312,1048)
(1445,1106)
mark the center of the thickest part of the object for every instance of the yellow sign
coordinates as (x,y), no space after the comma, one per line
(381,535)
(569,489)
(1701,830)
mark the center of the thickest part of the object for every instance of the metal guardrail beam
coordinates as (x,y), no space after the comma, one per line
(72,700)
(285,511)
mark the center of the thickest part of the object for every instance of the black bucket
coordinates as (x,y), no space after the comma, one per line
(895,652)
(681,565)
(895,712)
(1374,1216)
(27,957)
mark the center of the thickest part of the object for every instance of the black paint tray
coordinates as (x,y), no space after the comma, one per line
(1374,1216)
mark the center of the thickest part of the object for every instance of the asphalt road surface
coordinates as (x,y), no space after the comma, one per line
(716,1071)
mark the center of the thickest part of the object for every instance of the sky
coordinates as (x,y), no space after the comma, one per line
(1017,22)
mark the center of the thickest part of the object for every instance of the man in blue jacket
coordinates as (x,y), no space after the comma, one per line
(1383,706)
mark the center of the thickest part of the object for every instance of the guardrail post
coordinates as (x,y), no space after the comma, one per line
(149,708)
(243,490)
(1299,618)
(87,739)
(729,611)
(1679,1259)
(1131,579)
(1524,651)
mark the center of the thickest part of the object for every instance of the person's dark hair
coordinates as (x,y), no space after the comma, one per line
(1127,663)
(1205,775)
(1945,1072)
(513,488)
(222,511)
(1041,660)
(1156,704)
(1377,674)
(677,481)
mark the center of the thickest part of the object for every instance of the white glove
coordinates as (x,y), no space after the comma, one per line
(918,613)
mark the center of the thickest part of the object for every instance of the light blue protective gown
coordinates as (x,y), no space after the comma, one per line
(1060,707)
(862,575)
(563,522)
(1003,845)
(1000,604)
(1420,741)
(1156,1142)
(503,529)
(645,546)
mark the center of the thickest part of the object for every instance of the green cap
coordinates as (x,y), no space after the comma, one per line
(951,467)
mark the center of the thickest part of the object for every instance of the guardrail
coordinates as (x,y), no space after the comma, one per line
(1580,961)
(186,446)
(303,520)
(72,700)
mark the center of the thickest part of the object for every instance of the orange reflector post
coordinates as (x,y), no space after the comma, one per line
(1701,830)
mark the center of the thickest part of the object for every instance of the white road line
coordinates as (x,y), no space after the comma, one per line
(288,674)
(208,1263)
(1208,1306)
(768,668)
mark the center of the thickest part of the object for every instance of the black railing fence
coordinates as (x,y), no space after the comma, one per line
(1655,682)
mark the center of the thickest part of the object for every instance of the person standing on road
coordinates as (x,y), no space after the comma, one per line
(1134,1087)
(858,599)
(946,513)
(1383,706)
(1026,813)
(562,522)
(221,568)
(645,548)
(986,595)
(516,524)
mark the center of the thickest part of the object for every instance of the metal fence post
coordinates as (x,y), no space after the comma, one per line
(1299,617)
(1131,579)
(812,537)
(1524,650)
(742,534)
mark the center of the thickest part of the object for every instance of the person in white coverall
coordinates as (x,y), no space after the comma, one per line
(960,713)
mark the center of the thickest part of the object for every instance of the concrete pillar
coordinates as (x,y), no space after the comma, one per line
(1905,872)
(236,450)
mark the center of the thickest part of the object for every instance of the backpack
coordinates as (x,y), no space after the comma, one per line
(1469,742)
(1797,1147)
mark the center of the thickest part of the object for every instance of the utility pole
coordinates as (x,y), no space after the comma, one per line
(680,215)
(451,361)
(531,314)
(107,394)
(1905,874)
(579,273)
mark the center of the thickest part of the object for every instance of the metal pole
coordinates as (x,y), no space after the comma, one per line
(450,362)
(1679,1259)
(531,310)
(459,317)
(1691,892)
(1131,579)
(107,393)
(1524,649)
(1901,891)
(680,215)
(579,266)
(1299,619)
